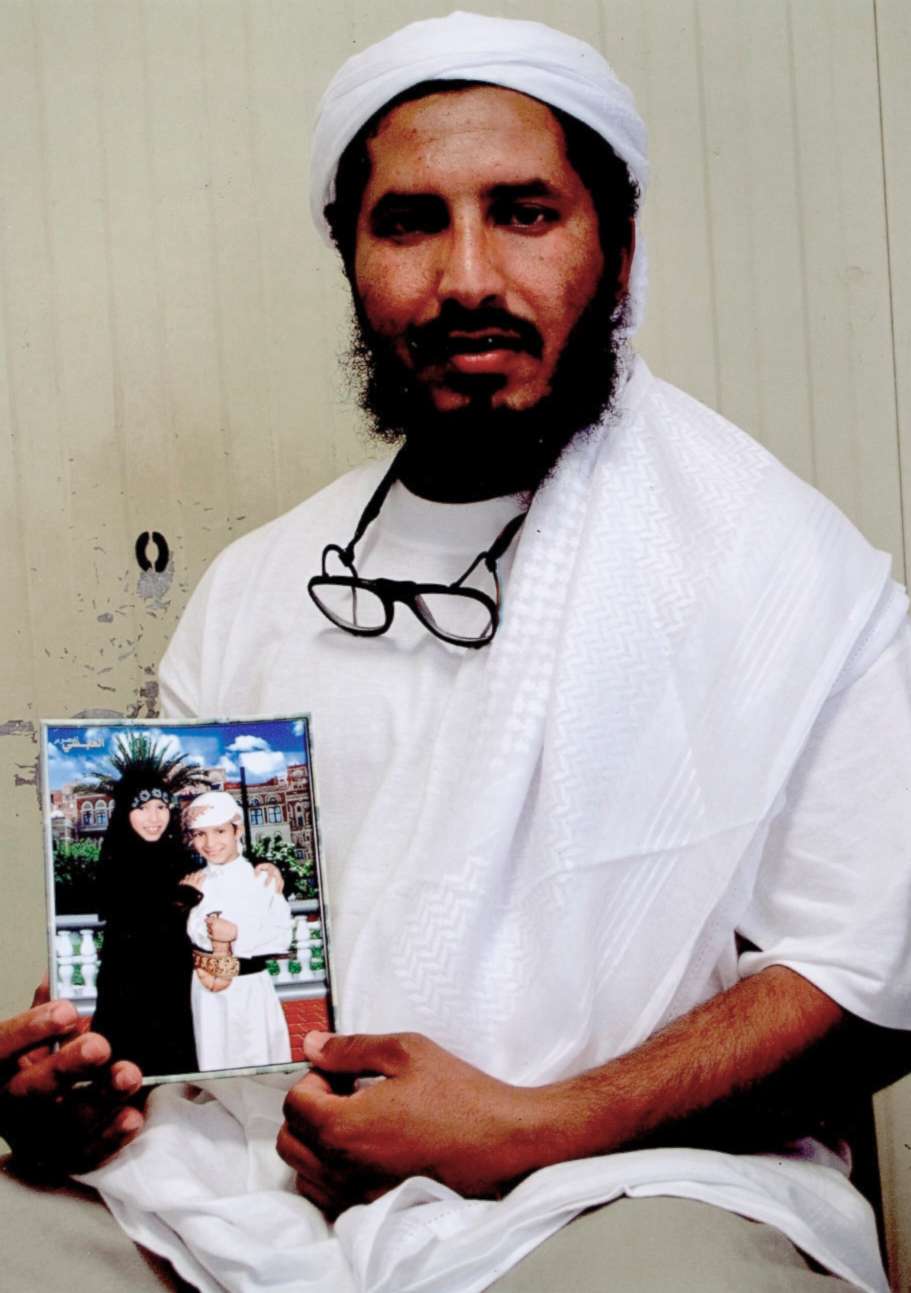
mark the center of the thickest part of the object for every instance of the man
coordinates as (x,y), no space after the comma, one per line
(612,795)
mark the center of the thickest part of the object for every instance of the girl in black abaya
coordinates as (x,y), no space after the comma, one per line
(146,968)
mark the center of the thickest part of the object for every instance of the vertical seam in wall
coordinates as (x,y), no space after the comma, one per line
(707,199)
(888,233)
(802,242)
(892,1236)
(118,428)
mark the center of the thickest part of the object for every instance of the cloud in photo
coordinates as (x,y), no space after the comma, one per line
(245,742)
(62,769)
(263,764)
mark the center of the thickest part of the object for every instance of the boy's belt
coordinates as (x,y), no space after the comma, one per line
(225,966)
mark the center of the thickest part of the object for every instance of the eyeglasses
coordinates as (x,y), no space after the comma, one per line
(459,615)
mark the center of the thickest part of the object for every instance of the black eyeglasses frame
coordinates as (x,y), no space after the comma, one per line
(409,592)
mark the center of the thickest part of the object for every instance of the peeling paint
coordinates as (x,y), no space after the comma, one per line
(17,727)
(99,713)
(147,704)
(154,585)
(27,774)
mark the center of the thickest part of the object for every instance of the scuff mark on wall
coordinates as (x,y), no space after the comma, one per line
(17,727)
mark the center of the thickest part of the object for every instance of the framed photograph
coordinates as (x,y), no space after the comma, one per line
(186,906)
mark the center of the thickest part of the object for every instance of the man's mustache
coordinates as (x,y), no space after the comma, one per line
(458,330)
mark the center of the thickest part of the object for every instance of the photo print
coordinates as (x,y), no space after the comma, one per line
(185,896)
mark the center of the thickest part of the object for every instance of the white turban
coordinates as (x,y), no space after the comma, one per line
(525,56)
(214,808)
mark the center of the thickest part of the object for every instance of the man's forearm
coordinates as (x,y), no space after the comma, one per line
(726,1065)
(436,1115)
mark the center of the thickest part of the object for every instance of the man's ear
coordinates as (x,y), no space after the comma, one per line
(626,263)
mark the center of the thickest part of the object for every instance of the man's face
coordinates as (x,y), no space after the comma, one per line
(477,246)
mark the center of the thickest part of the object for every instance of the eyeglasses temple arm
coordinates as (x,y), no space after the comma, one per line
(496,549)
(371,511)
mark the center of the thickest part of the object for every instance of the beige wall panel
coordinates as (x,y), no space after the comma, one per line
(845,266)
(142,406)
(36,470)
(314,419)
(894,44)
(678,236)
(181,165)
(299,341)
(893,18)
(79,243)
(32,322)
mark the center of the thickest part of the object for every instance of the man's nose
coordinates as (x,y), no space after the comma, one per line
(470,271)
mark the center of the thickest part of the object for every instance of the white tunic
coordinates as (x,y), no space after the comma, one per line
(244,1024)
(694,722)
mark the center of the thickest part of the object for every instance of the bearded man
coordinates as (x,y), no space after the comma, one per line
(612,713)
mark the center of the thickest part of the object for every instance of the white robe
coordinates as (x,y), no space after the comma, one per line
(540,852)
(243,1025)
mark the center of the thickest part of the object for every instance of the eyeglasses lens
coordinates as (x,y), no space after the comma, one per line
(457,616)
(354,608)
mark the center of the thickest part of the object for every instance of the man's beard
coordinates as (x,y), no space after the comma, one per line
(481,450)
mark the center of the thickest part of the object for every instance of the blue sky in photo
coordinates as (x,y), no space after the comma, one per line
(264,748)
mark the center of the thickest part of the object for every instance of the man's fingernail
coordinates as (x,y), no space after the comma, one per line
(128,1120)
(315,1041)
(62,1015)
(122,1082)
(92,1049)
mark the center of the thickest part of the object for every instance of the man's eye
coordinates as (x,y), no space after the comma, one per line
(525,215)
(404,221)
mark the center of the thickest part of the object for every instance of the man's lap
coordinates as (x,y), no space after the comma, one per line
(666,1245)
(65,1236)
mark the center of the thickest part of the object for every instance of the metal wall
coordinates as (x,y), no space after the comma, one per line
(169,325)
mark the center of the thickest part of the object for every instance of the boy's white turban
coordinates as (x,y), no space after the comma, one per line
(525,56)
(213,808)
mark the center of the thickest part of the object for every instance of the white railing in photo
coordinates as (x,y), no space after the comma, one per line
(77,963)
(299,973)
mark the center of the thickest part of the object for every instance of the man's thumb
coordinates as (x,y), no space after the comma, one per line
(359,1053)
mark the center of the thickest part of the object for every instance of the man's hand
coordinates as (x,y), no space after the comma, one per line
(51,1127)
(430,1115)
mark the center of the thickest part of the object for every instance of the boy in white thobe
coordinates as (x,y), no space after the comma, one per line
(237,1018)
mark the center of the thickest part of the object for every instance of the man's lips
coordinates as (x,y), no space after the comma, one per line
(471,339)
(477,352)
(481,343)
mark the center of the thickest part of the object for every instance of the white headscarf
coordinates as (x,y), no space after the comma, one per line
(525,56)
